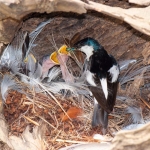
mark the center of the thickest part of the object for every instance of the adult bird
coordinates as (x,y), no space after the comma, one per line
(102,73)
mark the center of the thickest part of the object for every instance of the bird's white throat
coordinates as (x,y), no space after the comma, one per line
(88,50)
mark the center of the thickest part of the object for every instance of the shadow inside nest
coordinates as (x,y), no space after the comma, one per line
(65,106)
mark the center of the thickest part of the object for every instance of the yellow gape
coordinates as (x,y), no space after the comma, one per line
(54,58)
(26,59)
(63,50)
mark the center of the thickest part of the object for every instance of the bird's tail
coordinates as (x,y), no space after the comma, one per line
(96,115)
(100,117)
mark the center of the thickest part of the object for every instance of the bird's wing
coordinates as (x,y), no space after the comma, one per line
(112,93)
(106,104)
(100,97)
(104,86)
(114,70)
(112,83)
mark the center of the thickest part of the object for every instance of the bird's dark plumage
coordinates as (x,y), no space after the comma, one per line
(90,42)
(102,75)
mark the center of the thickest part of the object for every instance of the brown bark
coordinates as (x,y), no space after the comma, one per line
(135,139)
(138,18)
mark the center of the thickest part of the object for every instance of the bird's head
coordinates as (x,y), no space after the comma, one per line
(62,52)
(88,46)
(58,57)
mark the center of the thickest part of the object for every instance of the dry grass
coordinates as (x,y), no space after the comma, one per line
(21,111)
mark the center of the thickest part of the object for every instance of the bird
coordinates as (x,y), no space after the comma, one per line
(58,57)
(102,73)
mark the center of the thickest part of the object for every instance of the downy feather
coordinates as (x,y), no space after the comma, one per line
(56,87)
(31,81)
(12,62)
(133,126)
(33,66)
(33,35)
(125,63)
(38,71)
(136,113)
(129,76)
(75,88)
(12,55)
(53,73)
(30,64)
(8,83)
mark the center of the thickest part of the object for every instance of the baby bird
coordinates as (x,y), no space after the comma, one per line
(59,57)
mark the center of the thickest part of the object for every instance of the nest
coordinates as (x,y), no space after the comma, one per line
(67,118)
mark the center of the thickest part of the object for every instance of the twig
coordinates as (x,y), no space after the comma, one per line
(37,124)
(52,97)
(119,106)
(145,102)
(47,122)
(43,104)
(57,135)
(49,93)
(117,116)
(115,125)
(75,142)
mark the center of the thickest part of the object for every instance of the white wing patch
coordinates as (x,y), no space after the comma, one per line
(95,101)
(114,72)
(104,87)
(88,50)
(89,78)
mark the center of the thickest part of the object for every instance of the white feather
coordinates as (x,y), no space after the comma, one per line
(11,58)
(104,87)
(75,88)
(136,113)
(5,57)
(33,35)
(53,73)
(8,83)
(30,64)
(90,78)
(56,87)
(122,98)
(34,67)
(95,101)
(114,72)
(133,126)
(38,71)
(31,81)
(130,76)
(124,64)
(39,28)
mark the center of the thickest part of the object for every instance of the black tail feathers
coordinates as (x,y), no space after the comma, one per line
(100,117)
